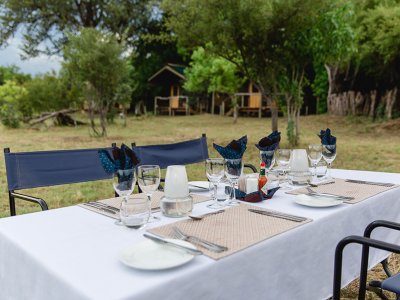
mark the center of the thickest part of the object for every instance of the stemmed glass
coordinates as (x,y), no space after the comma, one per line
(124,182)
(329,155)
(233,170)
(268,157)
(314,155)
(215,172)
(283,159)
(149,180)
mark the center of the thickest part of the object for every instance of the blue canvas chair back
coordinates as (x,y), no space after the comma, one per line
(164,155)
(48,168)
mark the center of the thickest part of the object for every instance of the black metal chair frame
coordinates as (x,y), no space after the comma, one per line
(366,241)
(12,196)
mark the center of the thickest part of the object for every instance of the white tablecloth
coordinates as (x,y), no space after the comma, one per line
(71,253)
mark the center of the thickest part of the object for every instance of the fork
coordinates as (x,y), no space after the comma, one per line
(105,205)
(208,245)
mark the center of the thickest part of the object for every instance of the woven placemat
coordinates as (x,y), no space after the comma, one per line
(340,187)
(116,203)
(236,228)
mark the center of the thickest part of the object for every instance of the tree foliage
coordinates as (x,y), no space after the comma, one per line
(46,93)
(10,96)
(210,73)
(49,20)
(95,62)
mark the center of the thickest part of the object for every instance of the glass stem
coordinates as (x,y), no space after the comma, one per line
(215,192)
(149,199)
(233,195)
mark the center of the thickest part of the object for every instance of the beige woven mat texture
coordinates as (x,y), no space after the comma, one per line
(340,187)
(155,203)
(236,228)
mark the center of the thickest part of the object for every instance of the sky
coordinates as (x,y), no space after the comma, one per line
(41,64)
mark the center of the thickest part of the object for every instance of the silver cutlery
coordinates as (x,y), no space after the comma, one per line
(99,207)
(278,215)
(198,186)
(201,217)
(311,192)
(105,205)
(206,244)
(385,184)
(169,243)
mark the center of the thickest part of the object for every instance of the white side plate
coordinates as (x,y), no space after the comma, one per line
(149,255)
(316,201)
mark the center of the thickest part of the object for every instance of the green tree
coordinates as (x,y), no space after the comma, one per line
(45,93)
(13,73)
(95,61)
(49,20)
(213,74)
(10,96)
(334,41)
(258,36)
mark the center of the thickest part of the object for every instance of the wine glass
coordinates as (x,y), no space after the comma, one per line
(283,158)
(268,157)
(124,182)
(314,155)
(329,155)
(149,180)
(233,170)
(215,172)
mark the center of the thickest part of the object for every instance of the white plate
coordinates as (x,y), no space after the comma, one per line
(149,255)
(316,201)
(199,186)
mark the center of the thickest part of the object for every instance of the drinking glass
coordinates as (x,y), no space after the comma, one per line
(314,155)
(283,158)
(135,213)
(329,155)
(233,170)
(149,180)
(215,172)
(124,182)
(268,157)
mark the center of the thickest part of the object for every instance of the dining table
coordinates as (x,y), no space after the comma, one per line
(73,253)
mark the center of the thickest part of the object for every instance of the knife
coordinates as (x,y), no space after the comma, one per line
(169,243)
(370,182)
(278,215)
(327,195)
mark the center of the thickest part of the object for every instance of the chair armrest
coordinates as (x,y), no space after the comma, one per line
(33,199)
(252,167)
(365,252)
(354,239)
(380,223)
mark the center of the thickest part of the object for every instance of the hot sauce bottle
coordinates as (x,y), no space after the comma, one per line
(262,179)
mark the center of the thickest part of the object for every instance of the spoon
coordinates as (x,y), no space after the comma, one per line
(200,217)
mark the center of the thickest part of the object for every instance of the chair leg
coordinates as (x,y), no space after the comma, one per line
(12,204)
(385,265)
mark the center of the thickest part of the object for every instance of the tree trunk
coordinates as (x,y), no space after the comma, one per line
(373,101)
(390,101)
(273,106)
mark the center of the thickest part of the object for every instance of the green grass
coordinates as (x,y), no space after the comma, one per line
(362,145)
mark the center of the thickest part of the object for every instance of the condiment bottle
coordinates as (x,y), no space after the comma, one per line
(262,179)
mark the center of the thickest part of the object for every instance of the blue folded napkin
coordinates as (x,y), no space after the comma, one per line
(122,159)
(270,142)
(328,140)
(253,197)
(234,149)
